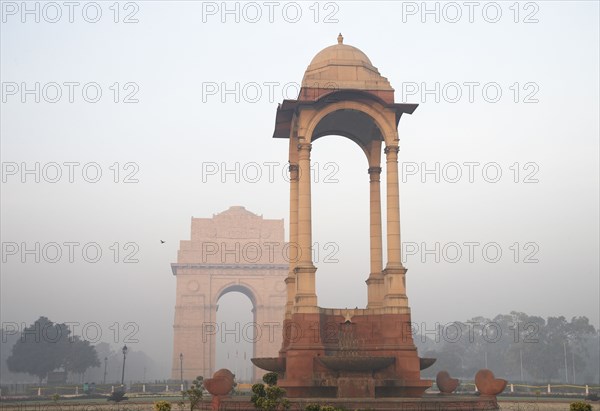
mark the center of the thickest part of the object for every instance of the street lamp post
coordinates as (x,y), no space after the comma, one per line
(521,357)
(124,350)
(566,368)
(104,379)
(181,369)
(573,364)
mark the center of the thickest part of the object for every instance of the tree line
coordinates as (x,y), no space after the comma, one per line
(515,346)
(45,346)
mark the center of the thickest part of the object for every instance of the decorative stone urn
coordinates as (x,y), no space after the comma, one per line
(487,384)
(219,386)
(445,383)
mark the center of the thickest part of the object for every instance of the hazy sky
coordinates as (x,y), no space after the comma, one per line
(502,88)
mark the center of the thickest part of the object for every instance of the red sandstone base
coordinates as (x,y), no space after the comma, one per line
(329,355)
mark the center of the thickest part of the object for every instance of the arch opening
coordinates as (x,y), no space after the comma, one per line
(236,336)
(238,289)
(350,123)
(340,221)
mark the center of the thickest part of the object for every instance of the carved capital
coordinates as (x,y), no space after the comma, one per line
(391,149)
(374,174)
(304,146)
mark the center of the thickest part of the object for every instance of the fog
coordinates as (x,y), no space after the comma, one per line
(517,172)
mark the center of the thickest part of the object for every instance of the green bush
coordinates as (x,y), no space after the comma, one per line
(269,397)
(270,378)
(580,406)
(259,390)
(162,406)
(194,394)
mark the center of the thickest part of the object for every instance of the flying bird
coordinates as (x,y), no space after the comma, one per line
(162,241)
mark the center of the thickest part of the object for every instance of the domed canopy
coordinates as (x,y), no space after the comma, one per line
(343,75)
(342,66)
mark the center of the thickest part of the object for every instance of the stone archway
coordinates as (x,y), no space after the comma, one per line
(235,250)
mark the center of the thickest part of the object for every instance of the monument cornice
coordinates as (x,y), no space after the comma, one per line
(209,266)
(288,108)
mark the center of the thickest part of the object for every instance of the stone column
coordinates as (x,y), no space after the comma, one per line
(393,208)
(395,290)
(209,363)
(306,298)
(375,280)
(290,281)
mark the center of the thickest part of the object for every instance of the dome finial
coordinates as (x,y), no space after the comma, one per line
(340,39)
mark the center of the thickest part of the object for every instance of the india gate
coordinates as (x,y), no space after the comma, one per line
(235,250)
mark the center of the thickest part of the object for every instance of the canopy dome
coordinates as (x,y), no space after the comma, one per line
(342,66)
